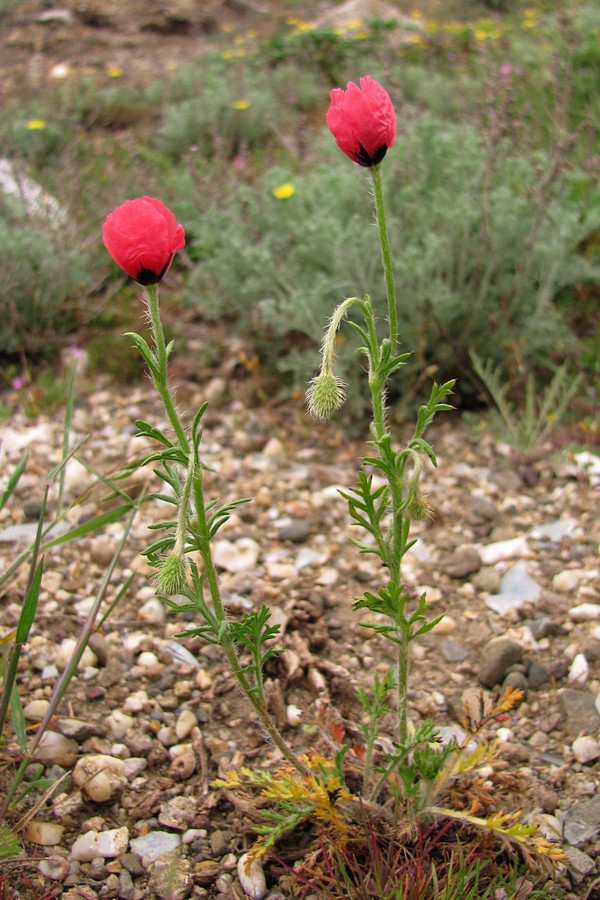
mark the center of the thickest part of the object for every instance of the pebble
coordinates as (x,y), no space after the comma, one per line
(464,561)
(65,652)
(496,659)
(185,724)
(579,669)
(102,551)
(252,878)
(151,846)
(100,776)
(170,876)
(516,588)
(107,844)
(568,580)
(446,625)
(500,550)
(48,834)
(55,748)
(178,812)
(585,749)
(55,868)
(152,611)
(585,612)
(453,651)
(582,821)
(579,711)
(118,724)
(236,556)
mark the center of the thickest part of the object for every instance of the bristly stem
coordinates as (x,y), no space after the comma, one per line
(194,486)
(160,376)
(386,253)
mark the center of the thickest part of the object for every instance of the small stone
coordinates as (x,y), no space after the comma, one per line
(154,844)
(183,765)
(36,709)
(553,531)
(453,651)
(496,659)
(516,680)
(579,669)
(102,551)
(236,556)
(48,834)
(579,710)
(113,842)
(56,749)
(294,715)
(55,868)
(582,821)
(294,530)
(585,612)
(252,878)
(118,724)
(219,844)
(537,675)
(464,561)
(446,625)
(568,580)
(170,877)
(100,776)
(65,652)
(499,550)
(585,749)
(152,611)
(185,724)
(580,864)
(177,813)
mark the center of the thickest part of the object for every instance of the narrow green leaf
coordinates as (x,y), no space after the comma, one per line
(18,719)
(12,481)
(30,605)
(92,525)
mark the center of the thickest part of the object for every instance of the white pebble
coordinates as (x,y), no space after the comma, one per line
(186,722)
(48,834)
(585,749)
(580,669)
(252,881)
(147,659)
(35,709)
(118,724)
(567,580)
(55,868)
(446,625)
(55,748)
(100,776)
(152,611)
(585,612)
(493,553)
(65,652)
(294,715)
(236,556)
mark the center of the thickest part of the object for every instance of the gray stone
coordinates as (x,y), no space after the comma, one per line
(295,530)
(537,675)
(580,864)
(517,680)
(582,821)
(579,710)
(170,877)
(464,561)
(496,659)
(154,844)
(543,627)
(218,842)
(453,651)
(516,588)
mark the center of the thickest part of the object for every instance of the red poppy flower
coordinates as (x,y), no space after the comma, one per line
(142,236)
(362,121)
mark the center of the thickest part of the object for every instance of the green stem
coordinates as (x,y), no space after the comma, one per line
(402,678)
(258,702)
(160,378)
(386,253)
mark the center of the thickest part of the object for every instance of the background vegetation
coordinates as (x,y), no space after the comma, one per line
(492,190)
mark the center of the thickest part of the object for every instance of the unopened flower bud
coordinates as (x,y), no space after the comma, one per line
(418,504)
(325,395)
(171,575)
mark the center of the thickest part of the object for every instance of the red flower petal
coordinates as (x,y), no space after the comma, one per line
(142,236)
(362,121)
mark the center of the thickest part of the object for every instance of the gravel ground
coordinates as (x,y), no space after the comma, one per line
(511,558)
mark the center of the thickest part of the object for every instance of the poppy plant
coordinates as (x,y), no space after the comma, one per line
(362,121)
(142,236)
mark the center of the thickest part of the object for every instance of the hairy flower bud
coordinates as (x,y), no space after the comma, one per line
(171,575)
(325,395)
(418,504)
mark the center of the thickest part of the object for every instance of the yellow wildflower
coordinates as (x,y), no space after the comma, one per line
(284,191)
(114,72)
(36,124)
(241,104)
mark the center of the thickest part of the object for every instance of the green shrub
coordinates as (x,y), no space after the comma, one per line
(39,277)
(484,243)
